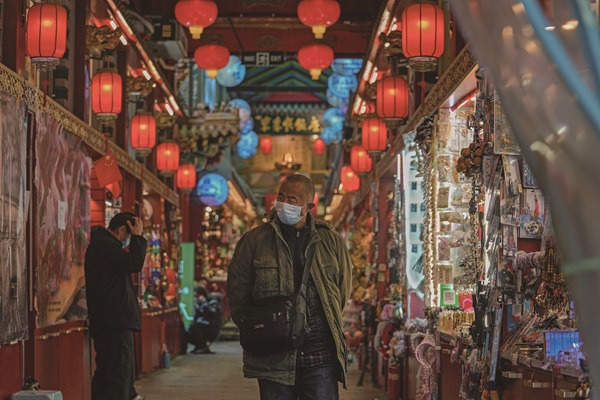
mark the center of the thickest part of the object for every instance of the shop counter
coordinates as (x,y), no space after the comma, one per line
(161,329)
(63,359)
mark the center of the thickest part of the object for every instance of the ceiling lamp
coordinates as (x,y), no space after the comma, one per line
(360,161)
(143,134)
(423,33)
(350,181)
(374,136)
(212,57)
(167,158)
(266,145)
(46,34)
(319,146)
(392,100)
(196,15)
(107,94)
(315,58)
(319,15)
(186,177)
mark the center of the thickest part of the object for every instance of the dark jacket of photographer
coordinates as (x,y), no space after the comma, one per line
(112,302)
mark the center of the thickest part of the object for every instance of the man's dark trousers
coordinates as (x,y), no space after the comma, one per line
(115,365)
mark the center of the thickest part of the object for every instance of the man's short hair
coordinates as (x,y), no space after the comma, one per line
(306,183)
(120,220)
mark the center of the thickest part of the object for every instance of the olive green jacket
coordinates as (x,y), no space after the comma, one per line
(262,267)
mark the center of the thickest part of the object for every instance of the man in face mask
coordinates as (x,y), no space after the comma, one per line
(113,308)
(269,262)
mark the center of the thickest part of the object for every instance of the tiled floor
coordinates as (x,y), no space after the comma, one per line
(219,377)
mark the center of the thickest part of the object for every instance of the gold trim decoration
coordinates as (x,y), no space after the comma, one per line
(14,85)
(457,72)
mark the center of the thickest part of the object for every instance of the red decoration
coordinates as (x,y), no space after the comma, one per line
(423,32)
(392,98)
(186,177)
(319,146)
(107,93)
(107,170)
(266,145)
(196,15)
(319,15)
(143,134)
(315,58)
(374,135)
(211,57)
(167,158)
(350,181)
(360,160)
(46,33)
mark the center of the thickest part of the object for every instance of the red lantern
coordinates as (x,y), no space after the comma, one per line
(266,145)
(196,15)
(359,159)
(392,98)
(350,181)
(319,146)
(46,34)
(167,158)
(107,93)
(319,15)
(374,135)
(143,134)
(423,32)
(211,57)
(315,58)
(186,177)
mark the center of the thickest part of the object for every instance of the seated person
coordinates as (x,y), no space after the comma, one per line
(205,327)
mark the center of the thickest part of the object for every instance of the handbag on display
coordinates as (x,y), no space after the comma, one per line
(277,324)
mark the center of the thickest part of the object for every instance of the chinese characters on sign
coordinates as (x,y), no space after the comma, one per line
(262,58)
(286,124)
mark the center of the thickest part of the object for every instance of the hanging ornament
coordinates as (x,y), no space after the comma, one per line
(233,73)
(211,57)
(266,145)
(423,34)
(374,136)
(247,145)
(143,134)
(319,15)
(319,146)
(167,158)
(196,15)
(315,58)
(46,35)
(186,177)
(392,99)
(360,161)
(212,189)
(107,94)
(350,181)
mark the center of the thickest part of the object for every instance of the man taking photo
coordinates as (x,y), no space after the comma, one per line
(113,308)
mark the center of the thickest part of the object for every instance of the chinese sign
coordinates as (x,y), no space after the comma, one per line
(263,58)
(288,124)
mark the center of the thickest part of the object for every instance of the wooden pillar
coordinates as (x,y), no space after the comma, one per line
(122,123)
(184,205)
(13,35)
(80,52)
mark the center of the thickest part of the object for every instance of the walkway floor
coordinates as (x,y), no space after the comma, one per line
(219,377)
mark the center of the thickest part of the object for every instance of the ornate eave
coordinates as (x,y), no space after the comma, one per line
(14,85)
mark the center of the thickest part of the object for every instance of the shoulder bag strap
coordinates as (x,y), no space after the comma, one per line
(309,259)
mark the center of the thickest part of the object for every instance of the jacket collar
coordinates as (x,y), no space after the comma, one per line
(101,232)
(313,236)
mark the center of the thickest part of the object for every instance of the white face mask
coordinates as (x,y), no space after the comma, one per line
(289,214)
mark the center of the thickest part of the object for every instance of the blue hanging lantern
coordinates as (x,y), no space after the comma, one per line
(233,73)
(212,189)
(347,66)
(336,101)
(247,145)
(330,136)
(342,85)
(333,119)
(244,109)
(247,126)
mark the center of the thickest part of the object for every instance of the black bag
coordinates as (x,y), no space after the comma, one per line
(277,324)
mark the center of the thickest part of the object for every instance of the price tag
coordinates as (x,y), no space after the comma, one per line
(62,215)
